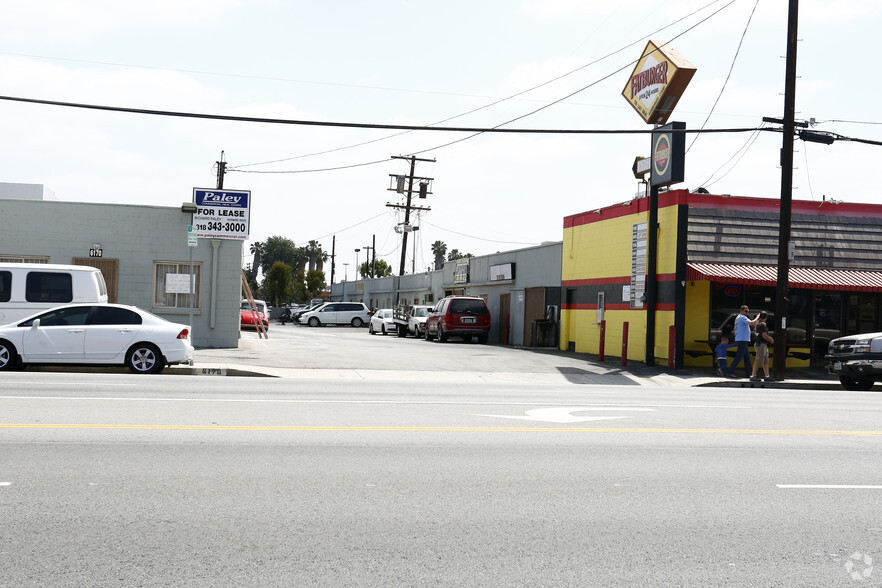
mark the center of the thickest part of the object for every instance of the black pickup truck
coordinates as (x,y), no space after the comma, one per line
(856,359)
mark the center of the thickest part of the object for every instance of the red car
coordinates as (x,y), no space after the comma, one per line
(248,319)
(459,316)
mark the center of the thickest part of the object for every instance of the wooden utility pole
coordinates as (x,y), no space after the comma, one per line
(397,187)
(782,292)
(221,170)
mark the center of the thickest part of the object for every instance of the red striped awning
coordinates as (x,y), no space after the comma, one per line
(800,277)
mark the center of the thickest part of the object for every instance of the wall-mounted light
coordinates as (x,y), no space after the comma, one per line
(188,208)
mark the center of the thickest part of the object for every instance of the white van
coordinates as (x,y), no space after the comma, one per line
(337,313)
(29,288)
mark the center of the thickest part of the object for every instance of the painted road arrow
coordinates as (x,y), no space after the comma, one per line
(563,414)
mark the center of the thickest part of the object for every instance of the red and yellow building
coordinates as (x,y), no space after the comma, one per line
(715,253)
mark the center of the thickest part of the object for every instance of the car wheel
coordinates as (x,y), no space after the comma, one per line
(850,383)
(482,338)
(145,358)
(442,336)
(371,329)
(383,330)
(428,335)
(314,322)
(357,323)
(8,356)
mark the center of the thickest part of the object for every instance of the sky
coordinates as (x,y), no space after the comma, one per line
(550,64)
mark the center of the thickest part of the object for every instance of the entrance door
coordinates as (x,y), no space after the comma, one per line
(109,269)
(504,319)
(534,309)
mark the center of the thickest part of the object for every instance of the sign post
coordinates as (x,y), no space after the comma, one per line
(653,90)
(192,241)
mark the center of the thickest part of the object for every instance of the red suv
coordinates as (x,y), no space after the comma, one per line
(459,316)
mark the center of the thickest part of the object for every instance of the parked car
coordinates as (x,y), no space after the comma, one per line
(856,359)
(337,313)
(416,320)
(381,322)
(99,334)
(459,316)
(296,313)
(248,319)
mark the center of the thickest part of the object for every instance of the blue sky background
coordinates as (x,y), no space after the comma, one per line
(420,62)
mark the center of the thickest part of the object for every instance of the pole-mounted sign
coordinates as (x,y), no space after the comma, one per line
(658,81)
(221,214)
(668,154)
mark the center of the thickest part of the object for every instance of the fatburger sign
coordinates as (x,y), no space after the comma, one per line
(668,154)
(658,81)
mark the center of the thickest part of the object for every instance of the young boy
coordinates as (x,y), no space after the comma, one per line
(721,350)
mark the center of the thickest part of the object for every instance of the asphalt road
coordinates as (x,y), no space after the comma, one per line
(125,480)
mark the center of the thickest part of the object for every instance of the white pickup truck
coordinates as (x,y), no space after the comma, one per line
(411,320)
(856,359)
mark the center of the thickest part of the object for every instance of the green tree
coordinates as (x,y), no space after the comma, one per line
(316,256)
(279,248)
(455,254)
(257,252)
(315,283)
(299,293)
(381,269)
(279,284)
(439,250)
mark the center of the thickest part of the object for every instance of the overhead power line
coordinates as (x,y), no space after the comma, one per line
(349,125)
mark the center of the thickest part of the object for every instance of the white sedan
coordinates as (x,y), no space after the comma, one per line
(96,334)
(381,322)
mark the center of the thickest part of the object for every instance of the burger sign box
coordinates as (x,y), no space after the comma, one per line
(658,81)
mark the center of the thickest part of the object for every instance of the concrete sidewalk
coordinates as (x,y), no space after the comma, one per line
(252,359)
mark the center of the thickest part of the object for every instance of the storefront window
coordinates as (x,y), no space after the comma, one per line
(828,320)
(863,313)
(797,322)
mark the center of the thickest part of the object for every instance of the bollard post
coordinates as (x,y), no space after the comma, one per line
(625,343)
(672,347)
(602,340)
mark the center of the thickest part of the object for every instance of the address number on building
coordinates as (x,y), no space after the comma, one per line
(96,253)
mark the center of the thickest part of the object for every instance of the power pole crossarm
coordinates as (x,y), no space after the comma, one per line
(408,207)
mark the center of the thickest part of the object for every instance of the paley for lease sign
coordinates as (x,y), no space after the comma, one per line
(221,214)
(658,81)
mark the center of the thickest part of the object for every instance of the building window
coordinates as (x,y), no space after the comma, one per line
(170,287)
(24,259)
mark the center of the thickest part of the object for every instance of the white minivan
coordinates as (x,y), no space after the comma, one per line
(28,288)
(337,313)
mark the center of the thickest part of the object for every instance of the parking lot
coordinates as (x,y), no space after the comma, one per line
(337,350)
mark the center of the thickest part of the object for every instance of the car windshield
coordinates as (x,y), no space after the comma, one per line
(476,307)
(421,312)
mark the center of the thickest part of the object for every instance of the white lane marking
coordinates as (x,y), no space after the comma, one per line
(61,384)
(562,414)
(831,486)
(5,483)
(415,402)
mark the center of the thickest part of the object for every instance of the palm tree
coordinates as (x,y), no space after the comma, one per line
(314,250)
(257,252)
(439,249)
